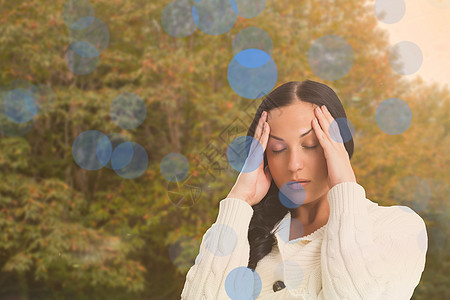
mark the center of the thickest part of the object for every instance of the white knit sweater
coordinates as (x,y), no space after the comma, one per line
(365,251)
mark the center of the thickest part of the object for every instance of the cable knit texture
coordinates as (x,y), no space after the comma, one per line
(365,251)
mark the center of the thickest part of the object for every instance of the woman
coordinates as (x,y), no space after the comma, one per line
(329,242)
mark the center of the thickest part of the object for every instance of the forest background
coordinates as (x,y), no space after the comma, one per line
(70,233)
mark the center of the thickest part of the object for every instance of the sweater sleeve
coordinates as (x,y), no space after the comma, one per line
(367,259)
(224,247)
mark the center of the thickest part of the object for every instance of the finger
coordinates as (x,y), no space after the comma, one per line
(317,129)
(324,124)
(263,140)
(265,136)
(319,133)
(259,127)
(333,126)
(328,117)
(327,114)
(258,135)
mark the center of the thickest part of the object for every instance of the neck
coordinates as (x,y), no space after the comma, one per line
(313,213)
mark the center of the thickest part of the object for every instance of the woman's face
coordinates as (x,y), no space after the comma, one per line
(295,160)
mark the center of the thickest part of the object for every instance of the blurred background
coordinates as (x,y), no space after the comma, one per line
(116,117)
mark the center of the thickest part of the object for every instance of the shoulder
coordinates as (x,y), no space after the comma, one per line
(396,221)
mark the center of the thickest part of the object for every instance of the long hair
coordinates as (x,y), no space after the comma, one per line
(269,211)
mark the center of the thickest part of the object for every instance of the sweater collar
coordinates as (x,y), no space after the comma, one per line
(282,230)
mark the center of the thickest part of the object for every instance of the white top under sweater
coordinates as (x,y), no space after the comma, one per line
(365,251)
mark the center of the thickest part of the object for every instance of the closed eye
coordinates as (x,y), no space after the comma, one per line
(276,152)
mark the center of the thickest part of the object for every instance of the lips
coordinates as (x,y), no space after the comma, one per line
(302,180)
(298,185)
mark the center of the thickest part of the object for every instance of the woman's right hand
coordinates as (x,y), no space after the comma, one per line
(253,186)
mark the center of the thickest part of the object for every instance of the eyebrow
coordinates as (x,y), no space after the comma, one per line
(280,139)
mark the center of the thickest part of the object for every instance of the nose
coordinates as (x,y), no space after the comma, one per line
(296,161)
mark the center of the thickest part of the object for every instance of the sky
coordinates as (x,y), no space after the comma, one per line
(427,24)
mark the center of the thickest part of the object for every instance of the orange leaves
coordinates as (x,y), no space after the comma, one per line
(146,64)
(377,62)
(104,268)
(52,22)
(34,193)
(150,174)
(141,268)
(149,65)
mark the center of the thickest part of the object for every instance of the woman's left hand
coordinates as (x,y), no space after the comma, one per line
(338,161)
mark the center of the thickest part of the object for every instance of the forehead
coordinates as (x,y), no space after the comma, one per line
(296,117)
